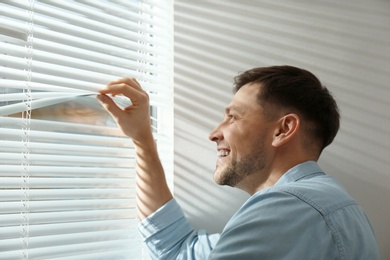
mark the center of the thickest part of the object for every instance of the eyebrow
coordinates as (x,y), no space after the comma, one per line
(233,108)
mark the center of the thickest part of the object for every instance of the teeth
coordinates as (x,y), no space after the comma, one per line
(223,153)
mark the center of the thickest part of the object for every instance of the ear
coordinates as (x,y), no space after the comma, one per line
(287,128)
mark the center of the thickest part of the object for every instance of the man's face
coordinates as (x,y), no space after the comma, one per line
(243,141)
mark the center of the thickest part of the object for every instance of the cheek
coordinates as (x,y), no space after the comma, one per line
(240,146)
(253,142)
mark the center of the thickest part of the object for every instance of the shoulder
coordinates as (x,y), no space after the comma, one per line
(309,215)
(276,224)
(321,193)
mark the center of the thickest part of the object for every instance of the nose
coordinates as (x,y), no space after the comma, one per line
(216,134)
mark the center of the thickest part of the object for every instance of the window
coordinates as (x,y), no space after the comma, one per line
(67,186)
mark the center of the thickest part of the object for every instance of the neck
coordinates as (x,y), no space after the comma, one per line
(272,173)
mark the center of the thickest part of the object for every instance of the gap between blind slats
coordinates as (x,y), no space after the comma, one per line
(13,24)
(80,137)
(35,104)
(57,126)
(37,124)
(15,34)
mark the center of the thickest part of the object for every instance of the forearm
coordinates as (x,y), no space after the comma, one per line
(169,235)
(134,121)
(152,188)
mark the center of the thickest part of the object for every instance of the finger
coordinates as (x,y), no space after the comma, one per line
(136,96)
(115,111)
(130,81)
(136,82)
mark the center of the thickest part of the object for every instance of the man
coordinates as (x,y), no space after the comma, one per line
(275,128)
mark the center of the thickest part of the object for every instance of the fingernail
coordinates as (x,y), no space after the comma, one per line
(101,98)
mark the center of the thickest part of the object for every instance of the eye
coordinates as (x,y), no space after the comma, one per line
(231,116)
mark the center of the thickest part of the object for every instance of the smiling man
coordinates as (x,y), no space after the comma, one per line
(241,142)
(274,130)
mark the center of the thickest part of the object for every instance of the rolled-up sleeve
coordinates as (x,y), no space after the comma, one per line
(168,235)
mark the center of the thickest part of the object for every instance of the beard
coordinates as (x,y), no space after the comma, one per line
(238,170)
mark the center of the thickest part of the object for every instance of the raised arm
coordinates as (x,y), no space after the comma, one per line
(134,121)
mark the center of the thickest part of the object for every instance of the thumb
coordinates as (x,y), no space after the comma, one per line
(110,106)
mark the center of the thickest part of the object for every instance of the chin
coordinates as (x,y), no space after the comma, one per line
(221,178)
(218,177)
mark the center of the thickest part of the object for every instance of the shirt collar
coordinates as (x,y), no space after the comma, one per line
(299,171)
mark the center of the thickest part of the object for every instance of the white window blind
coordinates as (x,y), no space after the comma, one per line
(67,174)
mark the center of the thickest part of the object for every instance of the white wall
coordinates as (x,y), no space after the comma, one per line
(345,43)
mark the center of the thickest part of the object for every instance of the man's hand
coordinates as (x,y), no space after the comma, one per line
(134,120)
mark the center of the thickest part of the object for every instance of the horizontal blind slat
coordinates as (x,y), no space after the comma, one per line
(88,17)
(128,38)
(51,148)
(66,183)
(67,194)
(66,228)
(127,60)
(68,137)
(7,170)
(44,159)
(12,50)
(132,252)
(66,205)
(60,217)
(70,250)
(71,173)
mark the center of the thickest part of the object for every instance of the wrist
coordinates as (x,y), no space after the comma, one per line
(145,141)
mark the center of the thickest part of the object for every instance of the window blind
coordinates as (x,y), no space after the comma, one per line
(67,174)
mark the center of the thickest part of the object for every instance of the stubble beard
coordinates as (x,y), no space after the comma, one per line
(237,170)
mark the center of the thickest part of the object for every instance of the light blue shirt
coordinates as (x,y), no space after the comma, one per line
(305,215)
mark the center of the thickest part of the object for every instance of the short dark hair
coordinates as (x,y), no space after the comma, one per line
(297,89)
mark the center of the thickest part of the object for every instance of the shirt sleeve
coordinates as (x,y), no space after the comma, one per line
(168,235)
